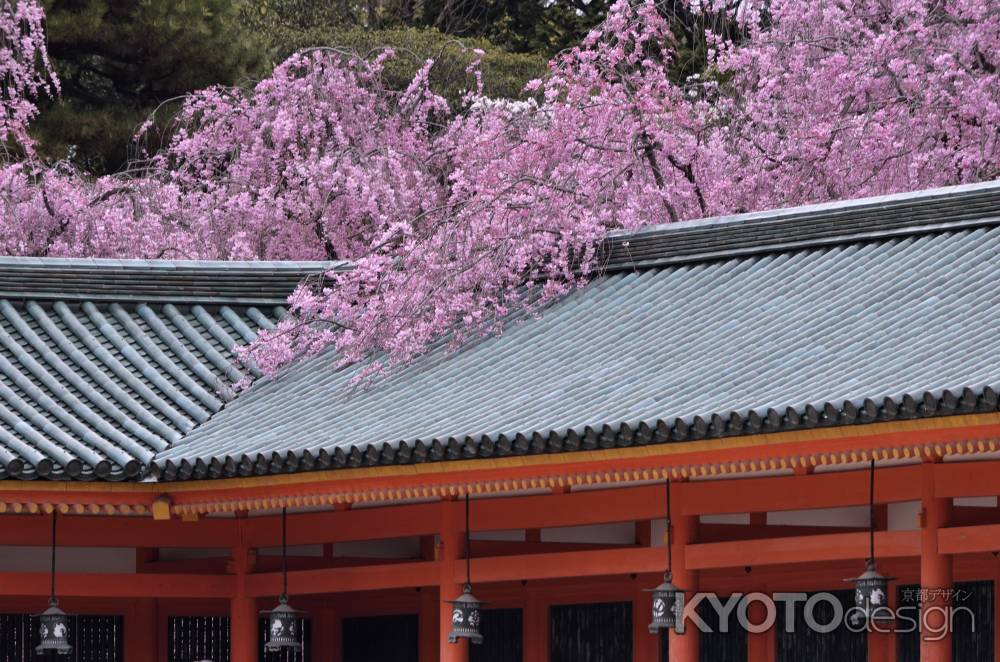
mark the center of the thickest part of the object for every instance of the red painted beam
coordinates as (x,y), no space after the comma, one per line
(91,531)
(118,585)
(566,564)
(346,525)
(728,532)
(966,479)
(823,490)
(969,539)
(801,549)
(335,580)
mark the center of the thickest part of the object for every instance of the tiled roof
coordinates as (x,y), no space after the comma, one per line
(830,315)
(203,282)
(105,363)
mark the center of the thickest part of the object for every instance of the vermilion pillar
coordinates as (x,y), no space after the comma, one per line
(536,626)
(760,645)
(243,630)
(684,647)
(141,631)
(451,550)
(881,640)
(242,612)
(935,574)
(327,638)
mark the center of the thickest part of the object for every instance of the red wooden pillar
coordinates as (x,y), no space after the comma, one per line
(535,627)
(881,640)
(243,629)
(935,574)
(880,645)
(327,639)
(142,632)
(684,647)
(242,612)
(760,645)
(452,549)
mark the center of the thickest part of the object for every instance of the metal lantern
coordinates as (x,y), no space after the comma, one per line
(467,609)
(283,627)
(53,630)
(53,623)
(465,618)
(871,589)
(283,620)
(870,595)
(666,600)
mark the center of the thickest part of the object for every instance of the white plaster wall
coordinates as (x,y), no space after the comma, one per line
(903,515)
(976,502)
(387,548)
(619,533)
(512,535)
(186,553)
(68,559)
(853,516)
(293,550)
(731,518)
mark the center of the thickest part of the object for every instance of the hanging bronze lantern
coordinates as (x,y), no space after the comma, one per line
(53,623)
(667,598)
(283,620)
(465,613)
(465,618)
(283,627)
(871,589)
(870,593)
(53,630)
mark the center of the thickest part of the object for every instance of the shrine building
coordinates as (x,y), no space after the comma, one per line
(814,391)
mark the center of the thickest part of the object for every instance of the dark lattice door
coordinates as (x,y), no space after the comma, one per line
(591,632)
(805,643)
(503,637)
(197,638)
(382,639)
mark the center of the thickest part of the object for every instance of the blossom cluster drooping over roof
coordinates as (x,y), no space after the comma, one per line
(448,213)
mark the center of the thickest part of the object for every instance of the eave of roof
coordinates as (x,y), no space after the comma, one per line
(201,282)
(826,224)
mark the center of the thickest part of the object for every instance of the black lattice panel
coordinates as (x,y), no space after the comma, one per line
(94,639)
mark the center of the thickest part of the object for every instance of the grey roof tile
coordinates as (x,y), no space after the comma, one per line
(835,314)
(92,390)
(878,325)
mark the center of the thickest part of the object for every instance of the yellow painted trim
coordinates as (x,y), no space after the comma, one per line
(464,466)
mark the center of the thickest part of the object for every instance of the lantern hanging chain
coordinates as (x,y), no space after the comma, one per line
(468,545)
(52,576)
(871,512)
(670,537)
(284,553)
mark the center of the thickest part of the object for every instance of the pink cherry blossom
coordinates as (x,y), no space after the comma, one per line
(455,218)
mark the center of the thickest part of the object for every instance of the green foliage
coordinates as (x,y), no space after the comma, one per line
(542,27)
(504,73)
(120,59)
